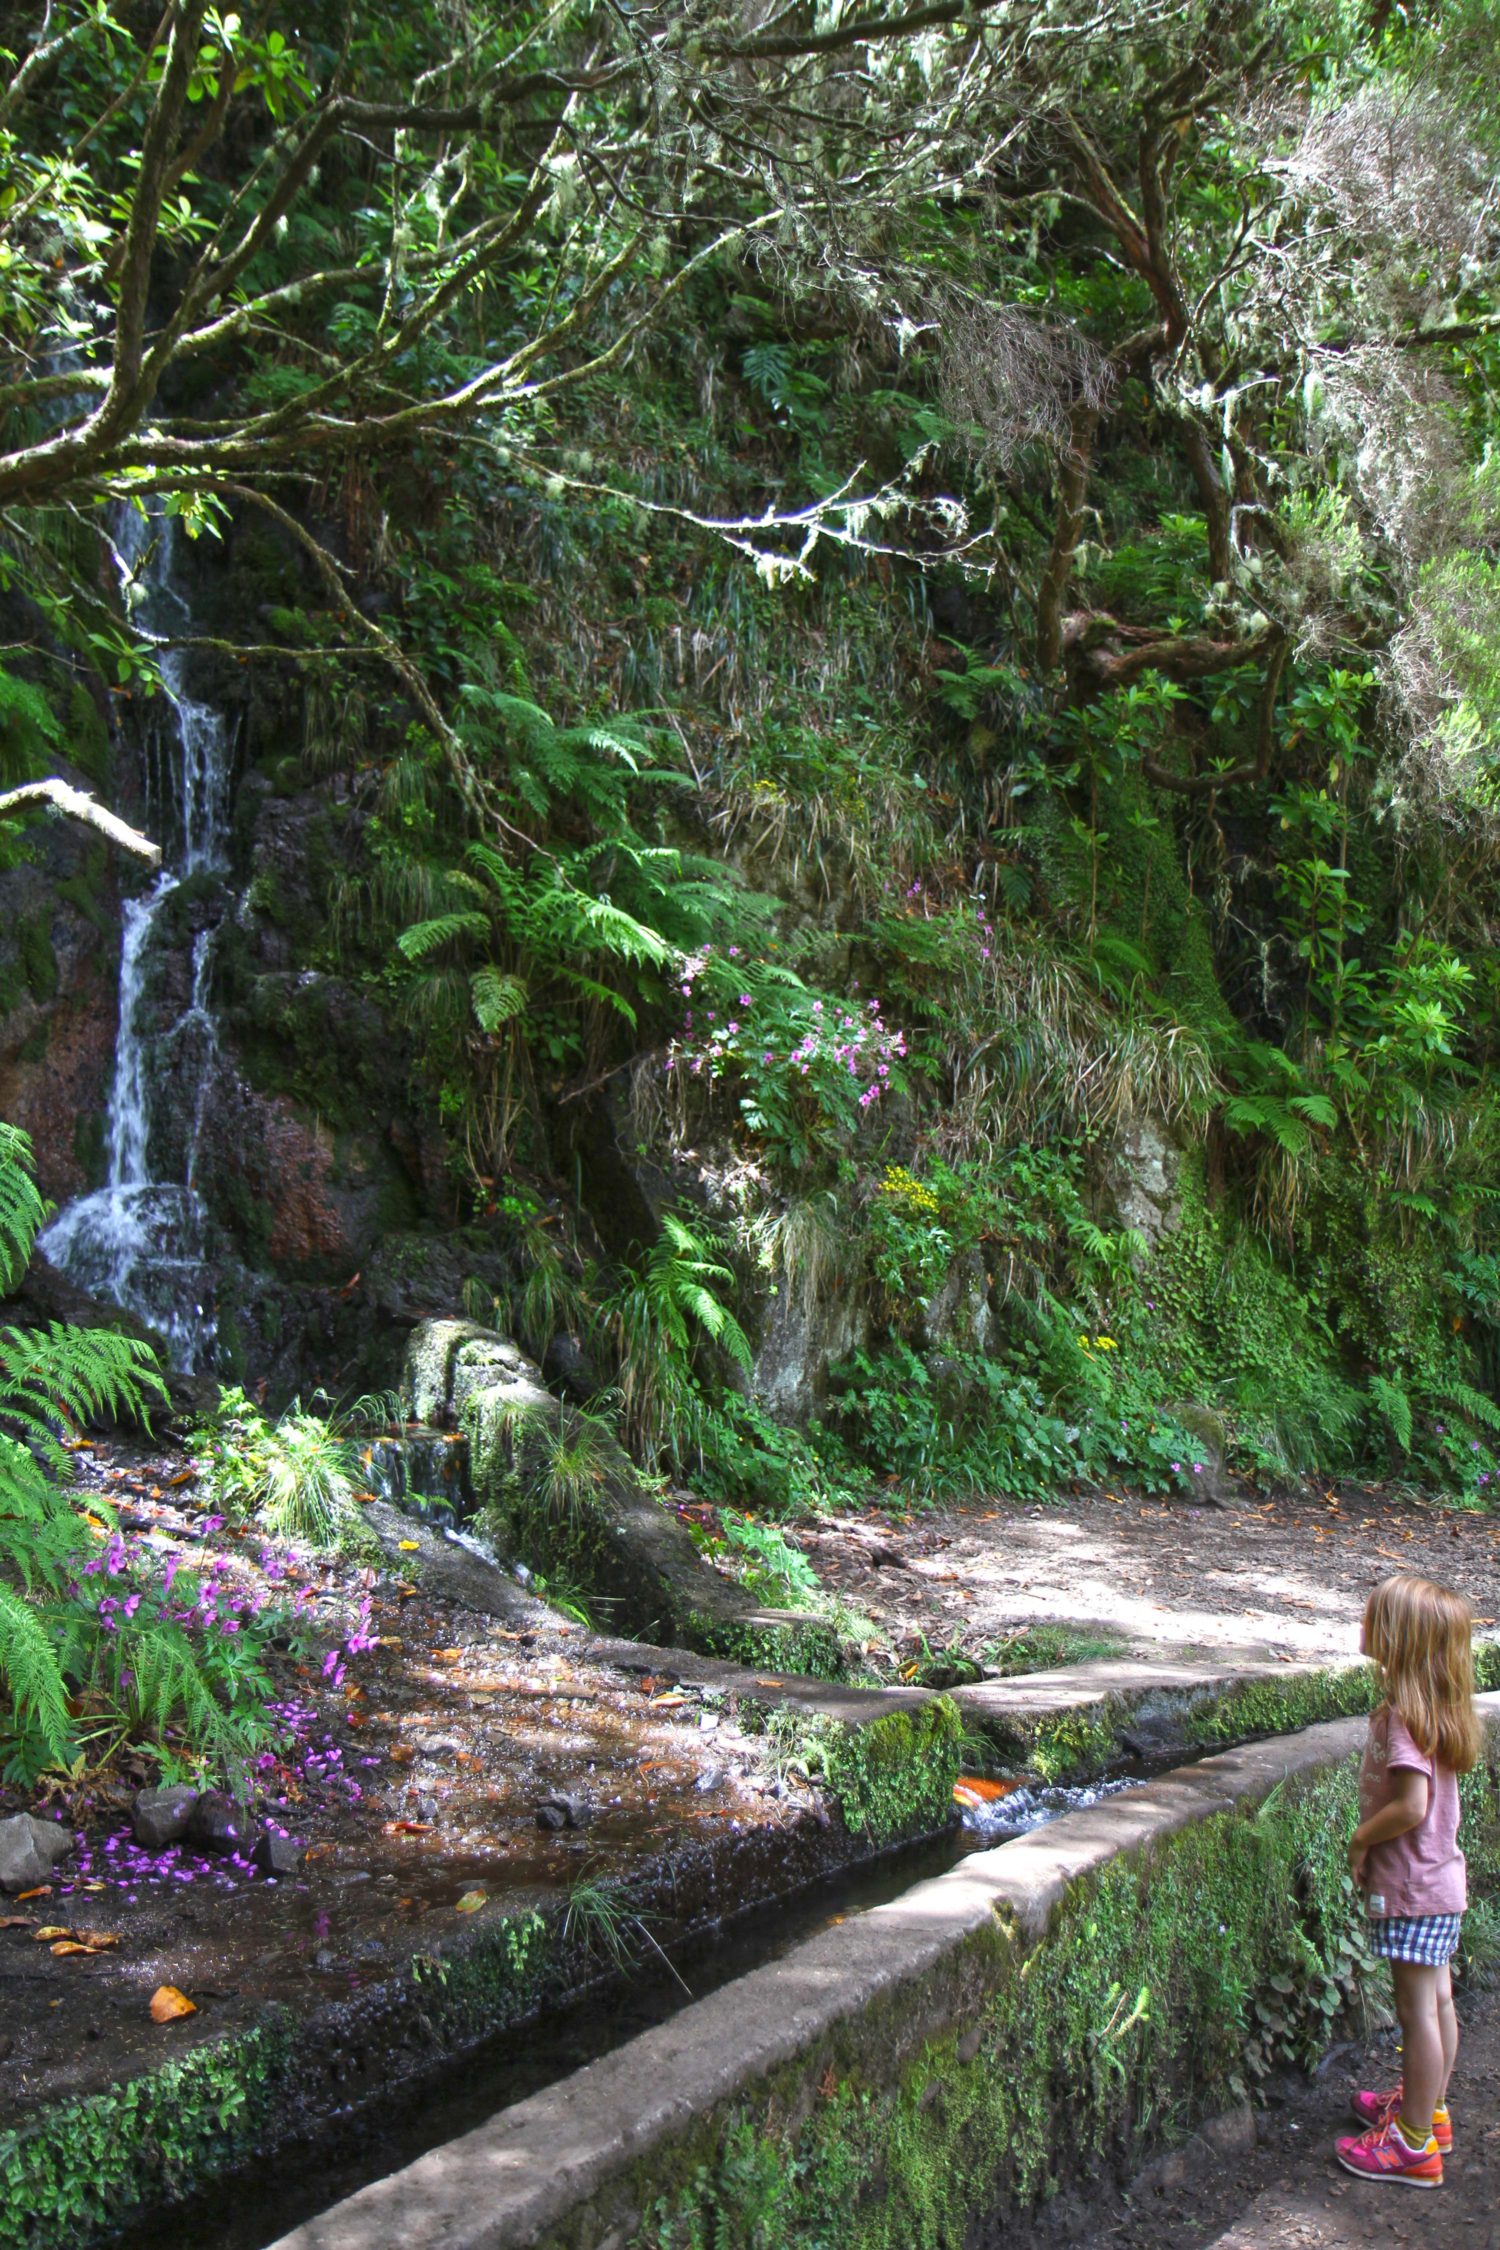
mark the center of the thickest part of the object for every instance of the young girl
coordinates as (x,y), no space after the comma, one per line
(1405,1857)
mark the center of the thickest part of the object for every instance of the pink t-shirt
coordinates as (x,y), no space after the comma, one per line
(1422,1872)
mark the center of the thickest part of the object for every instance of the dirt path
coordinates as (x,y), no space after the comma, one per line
(1287,2193)
(1286,1577)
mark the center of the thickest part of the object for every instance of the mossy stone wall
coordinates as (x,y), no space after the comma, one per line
(1165,1986)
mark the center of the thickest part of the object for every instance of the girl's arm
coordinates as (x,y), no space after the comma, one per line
(1406,1810)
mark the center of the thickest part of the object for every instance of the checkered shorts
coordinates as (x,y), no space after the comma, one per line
(1427,1941)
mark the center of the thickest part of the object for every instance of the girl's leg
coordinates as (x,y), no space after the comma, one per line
(1425,2061)
(1447,2027)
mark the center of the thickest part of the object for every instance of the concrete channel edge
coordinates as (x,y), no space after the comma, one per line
(535,2173)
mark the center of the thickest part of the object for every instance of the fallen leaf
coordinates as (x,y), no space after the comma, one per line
(43,1890)
(364,1498)
(402,1753)
(318,1851)
(970,1791)
(770,1683)
(472,1901)
(46,1935)
(671,1701)
(167,2004)
(99,1941)
(15,1921)
(447,1655)
(71,1945)
(409,1546)
(407,1828)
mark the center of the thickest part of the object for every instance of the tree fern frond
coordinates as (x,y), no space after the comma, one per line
(443,929)
(1395,1409)
(21,1207)
(33,1676)
(496,997)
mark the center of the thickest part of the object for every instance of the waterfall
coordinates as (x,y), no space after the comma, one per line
(141,1239)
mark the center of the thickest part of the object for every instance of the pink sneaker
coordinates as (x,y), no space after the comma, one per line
(1377,2110)
(1381,2154)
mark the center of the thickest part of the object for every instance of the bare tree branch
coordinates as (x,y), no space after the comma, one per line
(80,806)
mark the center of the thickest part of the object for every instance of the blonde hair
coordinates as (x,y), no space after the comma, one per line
(1420,1636)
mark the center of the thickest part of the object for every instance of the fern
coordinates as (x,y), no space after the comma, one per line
(32,1675)
(1395,1410)
(21,1207)
(443,929)
(497,997)
(1465,1400)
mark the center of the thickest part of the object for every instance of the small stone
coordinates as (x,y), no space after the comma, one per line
(160,1817)
(710,1779)
(275,1854)
(29,1848)
(564,1812)
(218,1824)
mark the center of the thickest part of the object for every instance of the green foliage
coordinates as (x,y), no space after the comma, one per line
(891,1777)
(297,1475)
(663,1317)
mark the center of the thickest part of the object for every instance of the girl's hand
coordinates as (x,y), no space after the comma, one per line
(1358,1854)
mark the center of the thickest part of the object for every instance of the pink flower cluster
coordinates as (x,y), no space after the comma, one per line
(832,1036)
(862,1045)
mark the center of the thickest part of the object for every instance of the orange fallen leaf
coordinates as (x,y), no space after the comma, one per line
(99,1941)
(183,1476)
(671,1701)
(364,1498)
(15,1921)
(970,1790)
(770,1683)
(402,1753)
(71,1945)
(43,1890)
(52,1930)
(167,2004)
(407,1828)
(447,1655)
(472,1901)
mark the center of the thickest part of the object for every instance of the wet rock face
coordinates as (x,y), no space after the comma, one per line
(57,1011)
(799,1341)
(1142,1179)
(29,1850)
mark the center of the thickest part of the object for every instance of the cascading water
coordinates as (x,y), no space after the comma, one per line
(141,1239)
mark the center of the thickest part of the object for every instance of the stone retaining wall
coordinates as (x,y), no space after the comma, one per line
(906,2080)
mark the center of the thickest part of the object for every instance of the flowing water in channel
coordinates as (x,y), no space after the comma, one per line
(140,1240)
